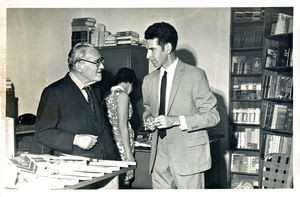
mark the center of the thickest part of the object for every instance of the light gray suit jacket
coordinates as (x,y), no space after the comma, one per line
(190,96)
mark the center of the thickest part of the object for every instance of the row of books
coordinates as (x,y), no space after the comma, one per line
(246,91)
(247,37)
(240,181)
(244,163)
(245,65)
(10,89)
(278,144)
(249,15)
(247,139)
(283,24)
(279,57)
(246,115)
(277,116)
(122,38)
(277,86)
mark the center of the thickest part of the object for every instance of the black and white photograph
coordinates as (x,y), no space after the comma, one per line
(143,96)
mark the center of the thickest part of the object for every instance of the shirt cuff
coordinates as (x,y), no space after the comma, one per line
(183,125)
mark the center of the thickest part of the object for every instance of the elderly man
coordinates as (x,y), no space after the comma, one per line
(70,118)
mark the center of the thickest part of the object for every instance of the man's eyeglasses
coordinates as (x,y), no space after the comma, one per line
(98,62)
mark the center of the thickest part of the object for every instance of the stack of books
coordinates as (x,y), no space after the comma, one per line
(110,39)
(244,163)
(87,30)
(283,24)
(277,86)
(246,91)
(248,138)
(10,89)
(127,37)
(277,116)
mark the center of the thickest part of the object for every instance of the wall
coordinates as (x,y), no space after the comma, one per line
(38,41)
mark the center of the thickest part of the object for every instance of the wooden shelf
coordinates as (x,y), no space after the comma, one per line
(279,37)
(279,100)
(247,49)
(247,75)
(245,173)
(246,100)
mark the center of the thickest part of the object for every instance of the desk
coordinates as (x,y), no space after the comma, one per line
(28,171)
(99,182)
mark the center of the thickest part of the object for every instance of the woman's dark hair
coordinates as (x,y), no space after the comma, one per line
(125,75)
(164,32)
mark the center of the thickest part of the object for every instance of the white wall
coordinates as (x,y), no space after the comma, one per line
(38,41)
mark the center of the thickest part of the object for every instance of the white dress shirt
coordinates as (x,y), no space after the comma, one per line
(80,85)
(170,75)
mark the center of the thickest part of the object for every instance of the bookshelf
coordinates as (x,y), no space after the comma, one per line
(261,98)
(277,100)
(247,38)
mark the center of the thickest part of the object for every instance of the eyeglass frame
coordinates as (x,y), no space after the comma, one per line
(98,62)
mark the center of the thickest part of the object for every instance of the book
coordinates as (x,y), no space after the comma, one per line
(127,33)
(83,23)
(284,87)
(278,144)
(288,123)
(239,181)
(283,22)
(278,118)
(256,65)
(271,58)
(244,163)
(90,19)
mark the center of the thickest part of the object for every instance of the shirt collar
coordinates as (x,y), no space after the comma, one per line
(78,82)
(171,68)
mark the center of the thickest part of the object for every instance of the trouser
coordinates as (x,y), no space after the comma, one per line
(164,176)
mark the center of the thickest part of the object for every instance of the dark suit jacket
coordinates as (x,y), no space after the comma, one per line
(63,112)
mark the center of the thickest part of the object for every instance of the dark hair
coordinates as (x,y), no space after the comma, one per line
(164,32)
(125,75)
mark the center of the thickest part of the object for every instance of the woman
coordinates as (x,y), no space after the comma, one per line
(119,110)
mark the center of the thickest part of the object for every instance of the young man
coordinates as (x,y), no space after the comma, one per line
(69,117)
(179,106)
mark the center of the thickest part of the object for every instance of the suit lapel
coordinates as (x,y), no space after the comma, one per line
(77,94)
(175,84)
(156,88)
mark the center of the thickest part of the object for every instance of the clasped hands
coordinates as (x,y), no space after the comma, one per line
(161,122)
(85,141)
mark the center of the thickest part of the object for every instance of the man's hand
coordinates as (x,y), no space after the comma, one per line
(85,141)
(162,122)
(149,123)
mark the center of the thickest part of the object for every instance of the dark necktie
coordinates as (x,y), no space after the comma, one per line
(162,106)
(90,99)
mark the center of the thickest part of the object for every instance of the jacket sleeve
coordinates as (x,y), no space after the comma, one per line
(205,102)
(48,119)
(146,98)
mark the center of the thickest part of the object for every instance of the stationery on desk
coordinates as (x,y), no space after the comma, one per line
(58,172)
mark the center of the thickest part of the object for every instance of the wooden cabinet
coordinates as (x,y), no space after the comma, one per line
(261,56)
(133,57)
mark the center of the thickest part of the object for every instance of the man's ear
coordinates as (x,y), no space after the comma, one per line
(78,66)
(168,47)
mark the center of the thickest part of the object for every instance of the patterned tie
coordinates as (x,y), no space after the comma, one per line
(163,86)
(90,99)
